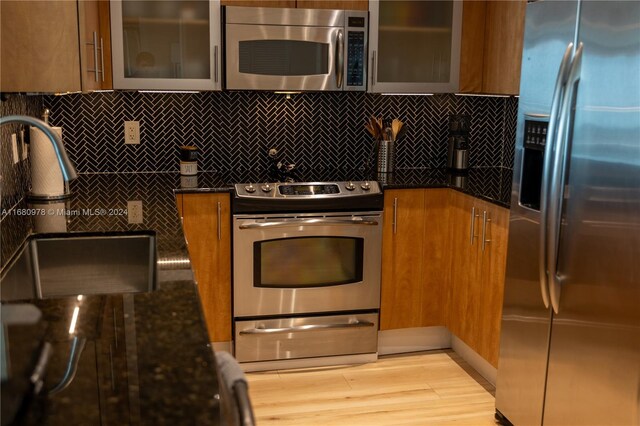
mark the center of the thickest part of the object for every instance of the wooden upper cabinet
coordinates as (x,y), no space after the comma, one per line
(504,36)
(95,44)
(45,46)
(491,47)
(472,46)
(39,46)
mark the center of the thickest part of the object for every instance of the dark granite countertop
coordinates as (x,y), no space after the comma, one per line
(146,357)
(492,184)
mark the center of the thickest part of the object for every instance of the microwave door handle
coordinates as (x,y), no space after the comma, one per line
(339,58)
(314,221)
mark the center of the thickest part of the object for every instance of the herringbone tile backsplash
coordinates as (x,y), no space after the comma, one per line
(234,130)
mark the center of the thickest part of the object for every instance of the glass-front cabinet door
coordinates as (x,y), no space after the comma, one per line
(166,45)
(414,46)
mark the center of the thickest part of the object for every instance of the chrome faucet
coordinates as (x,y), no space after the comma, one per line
(66,166)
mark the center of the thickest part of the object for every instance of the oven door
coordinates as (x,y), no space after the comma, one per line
(289,264)
(287,58)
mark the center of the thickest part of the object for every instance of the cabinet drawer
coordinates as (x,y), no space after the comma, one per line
(303,337)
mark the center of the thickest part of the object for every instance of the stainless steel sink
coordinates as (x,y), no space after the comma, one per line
(59,265)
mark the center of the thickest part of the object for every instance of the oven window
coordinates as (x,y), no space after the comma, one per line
(307,262)
(283,57)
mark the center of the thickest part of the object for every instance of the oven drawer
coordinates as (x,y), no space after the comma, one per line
(305,337)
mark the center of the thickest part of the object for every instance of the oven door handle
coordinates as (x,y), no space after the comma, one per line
(314,221)
(308,327)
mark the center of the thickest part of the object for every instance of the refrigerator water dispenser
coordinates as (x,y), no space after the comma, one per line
(535,136)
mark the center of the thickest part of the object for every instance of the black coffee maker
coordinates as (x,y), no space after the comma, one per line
(458,154)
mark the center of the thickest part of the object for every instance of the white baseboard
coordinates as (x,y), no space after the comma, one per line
(478,363)
(286,364)
(413,340)
(223,347)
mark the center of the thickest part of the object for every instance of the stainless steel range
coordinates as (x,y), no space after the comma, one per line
(306,262)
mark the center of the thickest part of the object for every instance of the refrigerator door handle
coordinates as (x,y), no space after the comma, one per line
(558,178)
(547,168)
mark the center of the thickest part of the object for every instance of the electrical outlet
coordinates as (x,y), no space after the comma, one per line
(14,148)
(134,211)
(132,132)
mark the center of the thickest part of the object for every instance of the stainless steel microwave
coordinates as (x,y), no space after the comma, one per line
(295,49)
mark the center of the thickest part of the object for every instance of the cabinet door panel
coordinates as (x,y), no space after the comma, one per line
(210,254)
(39,46)
(464,307)
(436,273)
(414,46)
(402,259)
(167,45)
(493,264)
(503,46)
(93,17)
(472,46)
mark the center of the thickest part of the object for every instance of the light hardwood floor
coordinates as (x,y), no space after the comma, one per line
(427,388)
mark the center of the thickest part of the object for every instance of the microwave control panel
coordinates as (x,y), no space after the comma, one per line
(355,59)
(356,50)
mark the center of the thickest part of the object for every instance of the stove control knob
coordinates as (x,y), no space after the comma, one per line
(250,188)
(365,186)
(350,186)
(266,187)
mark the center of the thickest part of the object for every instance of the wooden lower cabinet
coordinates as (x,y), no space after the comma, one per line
(402,259)
(464,307)
(435,270)
(492,274)
(207,228)
(477,273)
(414,253)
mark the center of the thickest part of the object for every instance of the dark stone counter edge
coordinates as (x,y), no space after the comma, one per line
(229,189)
(444,185)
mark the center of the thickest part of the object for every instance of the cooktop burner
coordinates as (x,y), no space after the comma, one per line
(306,189)
(307,196)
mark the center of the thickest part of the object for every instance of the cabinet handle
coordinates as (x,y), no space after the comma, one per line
(215,65)
(102,58)
(219,222)
(472,232)
(373,68)
(485,220)
(95,54)
(395,216)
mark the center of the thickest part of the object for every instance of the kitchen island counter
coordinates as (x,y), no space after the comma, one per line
(146,357)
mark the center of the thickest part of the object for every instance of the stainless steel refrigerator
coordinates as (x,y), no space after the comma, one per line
(570,342)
